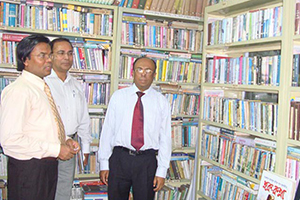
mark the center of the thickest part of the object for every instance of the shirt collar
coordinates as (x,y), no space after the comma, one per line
(134,89)
(34,79)
(54,75)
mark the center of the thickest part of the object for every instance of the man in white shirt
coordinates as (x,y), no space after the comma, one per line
(137,125)
(70,100)
(30,131)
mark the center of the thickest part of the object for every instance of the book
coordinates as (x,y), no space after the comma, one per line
(275,187)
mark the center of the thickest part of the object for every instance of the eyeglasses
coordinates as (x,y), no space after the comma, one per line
(44,56)
(141,71)
(63,53)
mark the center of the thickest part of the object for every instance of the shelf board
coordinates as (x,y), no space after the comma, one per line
(230,7)
(296,38)
(177,183)
(97,107)
(231,170)
(122,80)
(270,137)
(158,49)
(88,71)
(86,176)
(293,142)
(3,177)
(184,116)
(203,195)
(270,89)
(70,2)
(54,33)
(78,3)
(184,149)
(163,15)
(262,44)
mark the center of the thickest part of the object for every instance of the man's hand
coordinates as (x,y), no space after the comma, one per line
(158,183)
(86,159)
(104,176)
(66,153)
(73,145)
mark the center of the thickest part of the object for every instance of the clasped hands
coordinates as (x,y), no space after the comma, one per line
(68,150)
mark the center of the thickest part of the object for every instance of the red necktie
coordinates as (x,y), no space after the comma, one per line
(137,131)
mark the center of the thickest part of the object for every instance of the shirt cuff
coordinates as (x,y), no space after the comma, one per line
(104,165)
(85,148)
(161,172)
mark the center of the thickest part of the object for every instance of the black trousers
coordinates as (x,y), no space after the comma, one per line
(136,171)
(33,179)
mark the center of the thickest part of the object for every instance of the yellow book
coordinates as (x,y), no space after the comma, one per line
(163,77)
(32,22)
(190,72)
(61,21)
(148,4)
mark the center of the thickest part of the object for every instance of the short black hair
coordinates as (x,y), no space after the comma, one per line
(26,46)
(139,58)
(52,43)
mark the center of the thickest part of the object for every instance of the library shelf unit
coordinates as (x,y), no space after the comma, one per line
(234,39)
(149,37)
(83,32)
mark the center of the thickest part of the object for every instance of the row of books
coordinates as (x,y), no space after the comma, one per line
(181,167)
(253,25)
(292,169)
(184,134)
(220,184)
(5,81)
(184,104)
(169,192)
(92,167)
(244,70)
(139,31)
(96,126)
(240,153)
(57,17)
(179,7)
(91,55)
(89,190)
(96,93)
(8,44)
(168,69)
(243,113)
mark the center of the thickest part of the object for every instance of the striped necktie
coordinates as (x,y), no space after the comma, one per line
(60,126)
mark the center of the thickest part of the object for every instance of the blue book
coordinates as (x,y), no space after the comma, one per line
(4,14)
(130,33)
(250,81)
(12,15)
(278,69)
(95,91)
(154,37)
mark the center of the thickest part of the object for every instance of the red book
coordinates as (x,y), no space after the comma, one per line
(13,37)
(135,3)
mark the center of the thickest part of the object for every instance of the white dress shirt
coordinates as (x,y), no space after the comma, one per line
(27,125)
(72,107)
(116,129)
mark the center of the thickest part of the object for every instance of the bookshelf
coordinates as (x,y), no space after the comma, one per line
(87,36)
(156,45)
(269,40)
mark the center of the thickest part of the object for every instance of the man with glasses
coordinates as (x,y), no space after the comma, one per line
(30,127)
(137,127)
(70,100)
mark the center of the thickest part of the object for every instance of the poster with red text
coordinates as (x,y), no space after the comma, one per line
(275,187)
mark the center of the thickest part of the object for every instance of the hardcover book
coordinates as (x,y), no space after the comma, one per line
(275,187)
